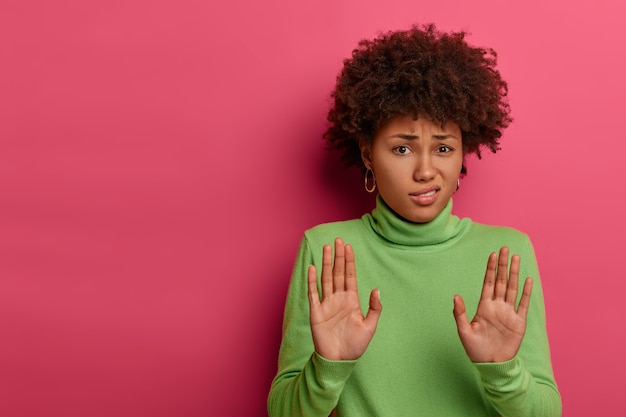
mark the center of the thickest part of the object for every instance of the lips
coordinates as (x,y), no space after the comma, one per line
(426,196)
(429,190)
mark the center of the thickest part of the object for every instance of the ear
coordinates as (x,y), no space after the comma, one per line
(366,156)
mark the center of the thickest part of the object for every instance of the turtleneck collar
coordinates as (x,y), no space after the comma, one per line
(391,227)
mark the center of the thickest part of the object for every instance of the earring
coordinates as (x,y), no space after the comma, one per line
(458,184)
(369,188)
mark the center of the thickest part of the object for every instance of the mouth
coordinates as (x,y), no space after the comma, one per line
(426,196)
(427,191)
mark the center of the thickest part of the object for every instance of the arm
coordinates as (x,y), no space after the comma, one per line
(322,339)
(509,345)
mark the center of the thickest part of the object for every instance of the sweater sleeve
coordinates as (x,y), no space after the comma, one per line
(525,385)
(306,384)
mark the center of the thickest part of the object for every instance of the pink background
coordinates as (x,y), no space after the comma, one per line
(160,160)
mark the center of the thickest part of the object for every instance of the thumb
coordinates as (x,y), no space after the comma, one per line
(460,315)
(373,314)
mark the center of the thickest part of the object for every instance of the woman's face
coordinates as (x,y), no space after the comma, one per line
(416,164)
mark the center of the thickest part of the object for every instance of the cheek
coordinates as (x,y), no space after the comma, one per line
(386,177)
(382,168)
(456,164)
(391,174)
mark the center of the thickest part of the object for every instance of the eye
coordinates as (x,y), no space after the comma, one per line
(444,149)
(401,150)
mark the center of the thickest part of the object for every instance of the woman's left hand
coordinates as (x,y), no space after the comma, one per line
(496,332)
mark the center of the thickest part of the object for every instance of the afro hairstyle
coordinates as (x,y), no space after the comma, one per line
(420,71)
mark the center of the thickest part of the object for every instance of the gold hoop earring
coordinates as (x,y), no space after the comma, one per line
(369,188)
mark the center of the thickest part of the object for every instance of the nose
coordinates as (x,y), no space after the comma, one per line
(424,170)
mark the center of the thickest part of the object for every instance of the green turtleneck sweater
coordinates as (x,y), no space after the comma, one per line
(415,364)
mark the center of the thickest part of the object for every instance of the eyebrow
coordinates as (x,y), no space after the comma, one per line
(407,136)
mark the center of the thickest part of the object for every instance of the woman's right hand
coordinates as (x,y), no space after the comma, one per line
(340,331)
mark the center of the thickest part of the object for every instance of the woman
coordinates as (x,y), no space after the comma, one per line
(408,107)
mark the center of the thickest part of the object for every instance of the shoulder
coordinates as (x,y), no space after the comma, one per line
(348,230)
(487,229)
(500,236)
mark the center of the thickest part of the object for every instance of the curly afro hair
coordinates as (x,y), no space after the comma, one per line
(422,72)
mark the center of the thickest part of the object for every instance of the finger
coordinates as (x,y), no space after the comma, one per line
(327,271)
(524,303)
(350,269)
(460,315)
(490,277)
(314,297)
(373,314)
(512,286)
(339,268)
(501,277)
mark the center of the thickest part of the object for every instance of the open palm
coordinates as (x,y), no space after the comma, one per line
(497,330)
(339,329)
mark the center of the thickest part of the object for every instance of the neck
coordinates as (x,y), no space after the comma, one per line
(398,230)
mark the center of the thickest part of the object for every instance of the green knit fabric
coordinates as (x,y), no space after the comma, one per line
(415,365)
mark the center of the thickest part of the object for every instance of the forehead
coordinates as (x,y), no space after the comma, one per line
(408,124)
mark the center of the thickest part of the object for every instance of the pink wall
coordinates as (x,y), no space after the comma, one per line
(159,161)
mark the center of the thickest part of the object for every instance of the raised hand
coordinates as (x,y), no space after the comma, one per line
(340,331)
(496,332)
